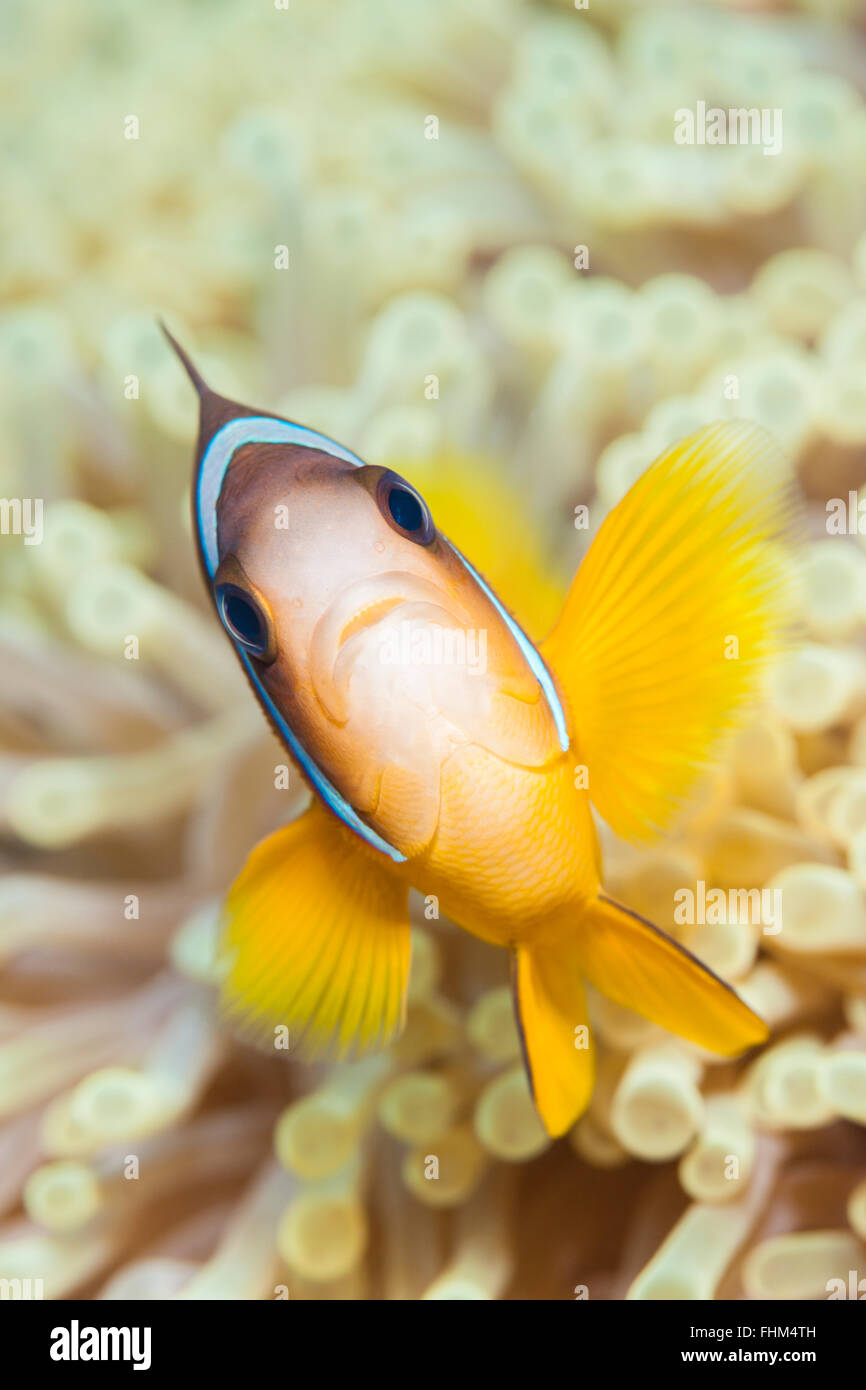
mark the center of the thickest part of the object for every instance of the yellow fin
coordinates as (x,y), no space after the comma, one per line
(686,592)
(407,810)
(642,968)
(550,1004)
(317,940)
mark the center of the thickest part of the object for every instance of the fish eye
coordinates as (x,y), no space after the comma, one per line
(405,509)
(244,621)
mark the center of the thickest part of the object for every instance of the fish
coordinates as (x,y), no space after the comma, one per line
(448,753)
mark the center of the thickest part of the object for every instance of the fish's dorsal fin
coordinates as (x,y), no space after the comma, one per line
(186,361)
(215,411)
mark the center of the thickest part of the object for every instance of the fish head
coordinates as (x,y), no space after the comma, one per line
(318,563)
(317,556)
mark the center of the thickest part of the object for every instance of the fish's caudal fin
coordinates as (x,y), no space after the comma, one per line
(316,941)
(637,966)
(685,595)
(550,1007)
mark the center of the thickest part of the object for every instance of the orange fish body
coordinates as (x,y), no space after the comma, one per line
(448,754)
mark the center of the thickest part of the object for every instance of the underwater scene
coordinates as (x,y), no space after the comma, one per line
(433,650)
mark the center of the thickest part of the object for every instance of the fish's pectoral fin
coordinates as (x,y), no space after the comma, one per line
(518,730)
(552,1019)
(316,940)
(406,812)
(685,595)
(640,967)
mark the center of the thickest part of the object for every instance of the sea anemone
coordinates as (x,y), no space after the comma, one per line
(463,239)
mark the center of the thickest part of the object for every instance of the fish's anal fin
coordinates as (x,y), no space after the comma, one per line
(643,969)
(552,1019)
(316,941)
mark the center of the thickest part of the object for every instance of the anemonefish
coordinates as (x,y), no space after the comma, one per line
(472,780)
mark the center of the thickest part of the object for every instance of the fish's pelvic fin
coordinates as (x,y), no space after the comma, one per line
(686,593)
(316,940)
(643,969)
(636,965)
(558,1049)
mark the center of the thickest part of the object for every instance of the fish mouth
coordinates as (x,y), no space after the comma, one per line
(358,608)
